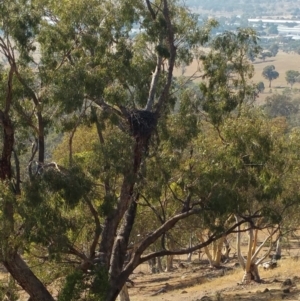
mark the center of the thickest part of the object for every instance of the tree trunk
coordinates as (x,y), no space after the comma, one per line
(254,243)
(251,274)
(123,295)
(189,257)
(249,255)
(159,265)
(227,249)
(7,148)
(214,255)
(41,138)
(112,221)
(152,265)
(277,255)
(218,251)
(169,265)
(121,243)
(142,123)
(19,270)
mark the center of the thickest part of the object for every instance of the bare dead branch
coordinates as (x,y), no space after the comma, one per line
(153,86)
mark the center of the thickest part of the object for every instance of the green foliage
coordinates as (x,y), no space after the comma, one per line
(9,289)
(69,185)
(237,168)
(270,73)
(280,105)
(21,20)
(226,70)
(100,284)
(292,77)
(73,287)
(265,54)
(260,87)
(274,49)
(91,287)
(209,151)
(107,205)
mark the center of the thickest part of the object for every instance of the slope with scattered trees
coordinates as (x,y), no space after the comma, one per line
(143,154)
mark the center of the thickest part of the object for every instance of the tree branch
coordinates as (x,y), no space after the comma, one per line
(18,174)
(108,108)
(154,81)
(121,242)
(137,260)
(153,15)
(156,234)
(153,209)
(261,246)
(238,245)
(172,48)
(98,227)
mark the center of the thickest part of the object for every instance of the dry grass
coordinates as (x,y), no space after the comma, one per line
(224,287)
(286,268)
(197,279)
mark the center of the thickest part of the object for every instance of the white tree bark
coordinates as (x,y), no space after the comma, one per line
(250,264)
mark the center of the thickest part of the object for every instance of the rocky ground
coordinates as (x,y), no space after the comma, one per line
(196,281)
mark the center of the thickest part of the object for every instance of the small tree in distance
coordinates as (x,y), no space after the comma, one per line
(260,87)
(274,49)
(265,54)
(292,77)
(270,73)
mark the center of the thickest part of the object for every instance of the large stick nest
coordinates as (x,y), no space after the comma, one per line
(142,123)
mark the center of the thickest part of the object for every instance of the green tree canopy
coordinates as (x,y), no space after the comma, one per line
(265,54)
(274,48)
(260,87)
(270,73)
(292,77)
(135,143)
(280,105)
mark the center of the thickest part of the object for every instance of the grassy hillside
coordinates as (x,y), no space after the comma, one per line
(282,62)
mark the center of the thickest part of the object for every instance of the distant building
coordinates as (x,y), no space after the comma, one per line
(266,21)
(286,28)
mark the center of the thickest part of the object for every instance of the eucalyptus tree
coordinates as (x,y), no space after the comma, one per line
(270,73)
(70,63)
(72,66)
(269,190)
(274,49)
(227,72)
(281,105)
(292,77)
(265,54)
